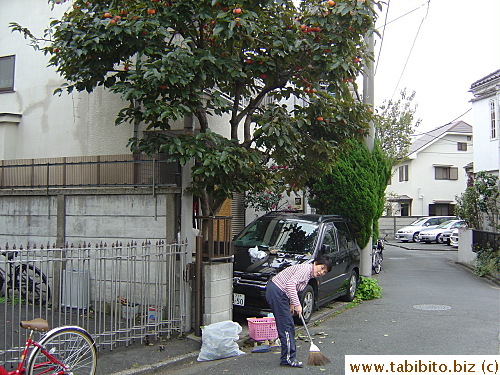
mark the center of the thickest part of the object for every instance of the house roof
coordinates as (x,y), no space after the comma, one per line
(457,127)
(488,78)
(401,198)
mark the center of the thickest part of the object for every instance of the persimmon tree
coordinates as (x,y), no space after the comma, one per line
(282,74)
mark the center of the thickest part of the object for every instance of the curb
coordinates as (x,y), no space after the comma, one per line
(153,368)
(400,245)
(493,279)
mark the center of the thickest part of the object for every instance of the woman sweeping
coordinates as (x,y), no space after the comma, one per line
(282,296)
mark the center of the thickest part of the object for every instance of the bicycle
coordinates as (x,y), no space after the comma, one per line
(30,281)
(377,255)
(67,350)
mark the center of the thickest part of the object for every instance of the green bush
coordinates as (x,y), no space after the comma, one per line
(355,188)
(368,288)
(487,261)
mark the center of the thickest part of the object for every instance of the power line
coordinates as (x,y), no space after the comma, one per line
(411,11)
(382,37)
(387,23)
(413,45)
(455,119)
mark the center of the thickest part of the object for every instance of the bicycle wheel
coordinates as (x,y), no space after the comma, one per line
(377,263)
(32,284)
(2,283)
(73,351)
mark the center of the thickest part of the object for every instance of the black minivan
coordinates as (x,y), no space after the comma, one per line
(280,239)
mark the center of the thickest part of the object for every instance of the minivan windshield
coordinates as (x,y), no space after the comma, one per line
(287,235)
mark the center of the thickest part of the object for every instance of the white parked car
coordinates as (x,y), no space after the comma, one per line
(410,232)
(454,237)
(442,233)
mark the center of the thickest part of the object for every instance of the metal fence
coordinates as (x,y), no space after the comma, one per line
(90,171)
(217,246)
(485,239)
(119,293)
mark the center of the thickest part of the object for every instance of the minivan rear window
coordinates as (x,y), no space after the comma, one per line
(292,236)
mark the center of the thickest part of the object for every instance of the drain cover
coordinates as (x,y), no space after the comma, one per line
(432,307)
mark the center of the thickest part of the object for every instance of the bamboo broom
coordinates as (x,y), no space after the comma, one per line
(315,357)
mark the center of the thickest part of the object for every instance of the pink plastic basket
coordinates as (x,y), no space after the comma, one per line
(261,329)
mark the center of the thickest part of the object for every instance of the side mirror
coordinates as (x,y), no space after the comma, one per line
(326,249)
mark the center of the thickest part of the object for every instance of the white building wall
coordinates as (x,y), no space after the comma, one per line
(77,124)
(74,124)
(487,150)
(422,185)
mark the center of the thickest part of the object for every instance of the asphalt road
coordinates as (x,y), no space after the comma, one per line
(430,306)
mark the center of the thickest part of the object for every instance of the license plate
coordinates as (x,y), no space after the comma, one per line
(238,299)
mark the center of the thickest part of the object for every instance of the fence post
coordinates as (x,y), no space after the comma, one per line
(198,303)
(59,264)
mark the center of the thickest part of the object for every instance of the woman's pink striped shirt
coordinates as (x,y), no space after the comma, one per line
(293,279)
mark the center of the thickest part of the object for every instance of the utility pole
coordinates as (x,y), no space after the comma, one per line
(369,88)
(368,98)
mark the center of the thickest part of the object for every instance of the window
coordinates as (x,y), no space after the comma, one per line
(461,146)
(403,173)
(493,119)
(329,239)
(346,239)
(441,209)
(446,173)
(432,222)
(7,73)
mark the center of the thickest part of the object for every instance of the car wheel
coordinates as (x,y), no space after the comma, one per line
(351,288)
(416,237)
(439,239)
(307,301)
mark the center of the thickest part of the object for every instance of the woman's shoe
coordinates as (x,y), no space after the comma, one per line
(293,364)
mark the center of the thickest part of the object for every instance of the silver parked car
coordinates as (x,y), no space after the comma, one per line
(410,232)
(454,237)
(440,234)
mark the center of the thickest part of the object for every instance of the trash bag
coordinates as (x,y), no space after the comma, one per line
(218,340)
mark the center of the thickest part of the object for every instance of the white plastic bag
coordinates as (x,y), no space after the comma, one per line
(219,341)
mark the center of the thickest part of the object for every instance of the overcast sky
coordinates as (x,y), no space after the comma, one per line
(455,43)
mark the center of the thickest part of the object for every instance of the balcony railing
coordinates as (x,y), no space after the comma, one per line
(93,171)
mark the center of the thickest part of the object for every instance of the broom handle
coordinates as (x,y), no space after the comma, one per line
(305,326)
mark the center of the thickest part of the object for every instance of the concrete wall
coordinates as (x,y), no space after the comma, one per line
(390,224)
(218,292)
(465,253)
(90,215)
